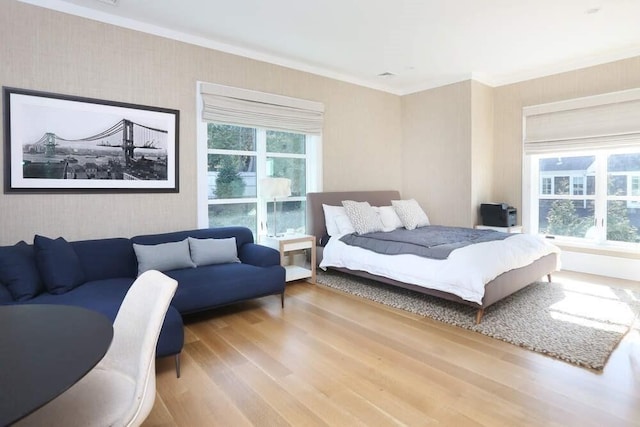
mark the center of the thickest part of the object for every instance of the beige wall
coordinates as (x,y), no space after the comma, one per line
(50,51)
(509,100)
(436,155)
(482,148)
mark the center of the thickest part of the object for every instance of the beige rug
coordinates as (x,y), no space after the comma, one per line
(578,323)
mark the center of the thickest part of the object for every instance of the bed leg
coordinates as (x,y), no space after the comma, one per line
(479,315)
(549,277)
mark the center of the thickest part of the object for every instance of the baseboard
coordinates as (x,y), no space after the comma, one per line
(602,265)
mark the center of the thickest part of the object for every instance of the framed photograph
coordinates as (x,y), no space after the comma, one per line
(60,143)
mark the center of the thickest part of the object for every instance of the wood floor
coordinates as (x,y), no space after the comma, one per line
(332,359)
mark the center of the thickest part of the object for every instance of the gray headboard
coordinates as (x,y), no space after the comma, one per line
(315,214)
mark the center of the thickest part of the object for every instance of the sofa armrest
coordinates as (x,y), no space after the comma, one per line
(258,255)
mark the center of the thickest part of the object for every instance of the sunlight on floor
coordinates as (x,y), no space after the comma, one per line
(595,306)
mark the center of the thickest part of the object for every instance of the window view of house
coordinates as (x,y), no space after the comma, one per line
(238,157)
(595,196)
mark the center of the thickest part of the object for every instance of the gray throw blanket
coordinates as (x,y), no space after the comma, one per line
(433,241)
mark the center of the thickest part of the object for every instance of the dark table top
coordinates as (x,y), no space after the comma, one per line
(44,350)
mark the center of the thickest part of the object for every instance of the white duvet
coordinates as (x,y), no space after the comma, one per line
(464,273)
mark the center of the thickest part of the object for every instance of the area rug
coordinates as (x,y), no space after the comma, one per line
(576,322)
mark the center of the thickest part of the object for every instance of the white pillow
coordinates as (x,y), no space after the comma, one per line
(330,214)
(363,217)
(410,213)
(213,251)
(344,225)
(389,217)
(163,257)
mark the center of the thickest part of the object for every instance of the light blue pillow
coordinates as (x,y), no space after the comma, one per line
(213,251)
(163,257)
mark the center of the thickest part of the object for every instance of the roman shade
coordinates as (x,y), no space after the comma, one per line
(604,121)
(243,107)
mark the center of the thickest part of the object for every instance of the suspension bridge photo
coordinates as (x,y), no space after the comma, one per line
(126,150)
(62,142)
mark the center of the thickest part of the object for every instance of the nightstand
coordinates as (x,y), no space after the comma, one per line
(512,229)
(287,246)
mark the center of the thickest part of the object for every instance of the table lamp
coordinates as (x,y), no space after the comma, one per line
(273,189)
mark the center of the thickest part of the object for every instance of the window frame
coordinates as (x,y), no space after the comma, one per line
(532,195)
(313,172)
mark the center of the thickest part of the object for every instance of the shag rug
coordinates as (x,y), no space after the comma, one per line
(575,322)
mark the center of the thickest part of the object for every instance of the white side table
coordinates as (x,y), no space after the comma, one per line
(512,229)
(286,245)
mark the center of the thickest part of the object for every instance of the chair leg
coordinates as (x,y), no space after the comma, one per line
(178,365)
(282,299)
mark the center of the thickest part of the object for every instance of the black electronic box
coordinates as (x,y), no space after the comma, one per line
(498,214)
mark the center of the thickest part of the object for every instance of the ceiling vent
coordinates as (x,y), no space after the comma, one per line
(111,2)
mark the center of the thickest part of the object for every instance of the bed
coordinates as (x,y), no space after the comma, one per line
(502,285)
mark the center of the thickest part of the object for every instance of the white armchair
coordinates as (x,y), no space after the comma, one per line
(121,389)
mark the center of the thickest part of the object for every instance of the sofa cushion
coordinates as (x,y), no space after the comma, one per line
(106,296)
(213,251)
(216,285)
(58,264)
(18,271)
(106,258)
(163,256)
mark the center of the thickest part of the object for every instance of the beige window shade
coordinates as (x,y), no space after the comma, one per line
(242,107)
(605,121)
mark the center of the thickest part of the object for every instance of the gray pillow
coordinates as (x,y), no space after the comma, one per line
(213,251)
(163,257)
(363,217)
(410,213)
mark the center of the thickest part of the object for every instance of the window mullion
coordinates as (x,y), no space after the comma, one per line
(261,172)
(601,196)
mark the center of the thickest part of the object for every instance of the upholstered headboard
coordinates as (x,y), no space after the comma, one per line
(315,214)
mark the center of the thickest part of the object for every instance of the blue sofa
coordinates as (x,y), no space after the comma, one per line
(96,274)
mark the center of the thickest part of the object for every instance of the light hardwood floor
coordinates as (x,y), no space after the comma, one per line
(332,359)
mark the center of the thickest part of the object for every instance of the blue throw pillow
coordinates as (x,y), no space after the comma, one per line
(5,295)
(58,263)
(18,271)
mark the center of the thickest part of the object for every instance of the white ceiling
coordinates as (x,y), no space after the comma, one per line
(424,43)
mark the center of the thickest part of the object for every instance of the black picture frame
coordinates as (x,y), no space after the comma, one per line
(58,143)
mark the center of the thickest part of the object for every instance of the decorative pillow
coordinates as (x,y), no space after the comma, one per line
(389,217)
(18,271)
(58,264)
(410,213)
(213,251)
(163,257)
(363,217)
(5,295)
(344,225)
(330,214)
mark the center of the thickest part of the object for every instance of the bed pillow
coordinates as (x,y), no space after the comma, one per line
(390,219)
(58,264)
(213,251)
(363,217)
(330,214)
(344,225)
(163,257)
(410,213)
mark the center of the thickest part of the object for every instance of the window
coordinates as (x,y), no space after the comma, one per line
(582,175)
(237,156)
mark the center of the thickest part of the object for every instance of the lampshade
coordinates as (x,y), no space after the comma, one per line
(275,188)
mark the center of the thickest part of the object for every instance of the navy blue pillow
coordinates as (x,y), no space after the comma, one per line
(5,295)
(58,263)
(18,271)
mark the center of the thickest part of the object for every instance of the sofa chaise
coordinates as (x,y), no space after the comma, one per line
(221,266)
